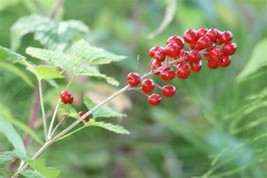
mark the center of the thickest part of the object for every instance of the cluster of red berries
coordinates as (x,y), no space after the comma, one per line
(67,98)
(210,45)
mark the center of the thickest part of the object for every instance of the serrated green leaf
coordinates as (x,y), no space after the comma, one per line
(257,60)
(9,55)
(27,25)
(67,110)
(47,172)
(95,56)
(48,72)
(92,123)
(5,113)
(4,158)
(52,34)
(13,137)
(104,111)
(17,71)
(55,58)
(32,174)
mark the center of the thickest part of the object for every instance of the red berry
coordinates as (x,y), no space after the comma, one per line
(133,79)
(66,97)
(212,64)
(168,90)
(155,65)
(229,49)
(183,71)
(196,66)
(167,74)
(192,45)
(193,56)
(155,49)
(226,37)
(203,42)
(148,86)
(225,61)
(190,36)
(177,40)
(213,34)
(154,99)
(81,113)
(201,32)
(159,56)
(172,50)
(215,54)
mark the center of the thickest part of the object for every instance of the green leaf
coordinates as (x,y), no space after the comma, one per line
(95,56)
(92,123)
(5,113)
(257,60)
(68,110)
(9,55)
(4,158)
(32,174)
(55,58)
(47,72)
(52,34)
(17,71)
(47,172)
(13,137)
(104,111)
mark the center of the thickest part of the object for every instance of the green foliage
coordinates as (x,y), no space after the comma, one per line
(9,55)
(103,112)
(5,113)
(82,61)
(13,137)
(257,60)
(67,110)
(55,35)
(4,158)
(41,170)
(45,72)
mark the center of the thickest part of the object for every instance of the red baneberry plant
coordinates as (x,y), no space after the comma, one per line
(176,59)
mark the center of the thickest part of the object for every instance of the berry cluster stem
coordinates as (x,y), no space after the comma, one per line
(42,108)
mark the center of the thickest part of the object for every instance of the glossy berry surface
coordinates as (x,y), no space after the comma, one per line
(81,113)
(66,97)
(148,86)
(168,90)
(229,49)
(177,40)
(190,36)
(196,66)
(183,71)
(133,79)
(154,99)
(167,74)
(172,50)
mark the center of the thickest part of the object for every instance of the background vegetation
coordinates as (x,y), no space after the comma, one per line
(215,126)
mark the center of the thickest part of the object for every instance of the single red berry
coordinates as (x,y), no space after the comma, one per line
(225,61)
(203,42)
(172,50)
(193,56)
(167,74)
(177,40)
(155,49)
(183,71)
(159,56)
(213,34)
(155,65)
(226,37)
(212,64)
(196,66)
(229,49)
(190,36)
(66,97)
(201,32)
(133,79)
(148,86)
(81,113)
(154,99)
(168,90)
(215,54)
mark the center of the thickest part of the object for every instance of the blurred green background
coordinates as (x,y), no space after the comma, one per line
(215,126)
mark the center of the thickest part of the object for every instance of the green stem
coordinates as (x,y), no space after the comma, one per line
(42,108)
(49,135)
